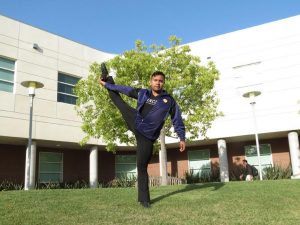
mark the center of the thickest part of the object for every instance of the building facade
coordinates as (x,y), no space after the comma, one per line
(261,59)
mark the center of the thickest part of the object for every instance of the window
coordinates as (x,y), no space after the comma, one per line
(50,167)
(125,166)
(7,70)
(265,155)
(65,88)
(199,162)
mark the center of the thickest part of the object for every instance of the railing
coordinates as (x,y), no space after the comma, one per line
(156,181)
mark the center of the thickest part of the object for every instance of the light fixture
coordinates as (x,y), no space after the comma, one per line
(252,95)
(36,46)
(32,85)
(30,176)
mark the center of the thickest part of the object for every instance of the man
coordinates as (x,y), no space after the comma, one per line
(248,173)
(153,107)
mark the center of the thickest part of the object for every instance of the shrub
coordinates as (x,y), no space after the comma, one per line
(9,185)
(204,177)
(122,182)
(49,185)
(235,172)
(190,177)
(277,172)
(76,185)
(67,185)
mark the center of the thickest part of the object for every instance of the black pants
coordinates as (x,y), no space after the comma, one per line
(144,145)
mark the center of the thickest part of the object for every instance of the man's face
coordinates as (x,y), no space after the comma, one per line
(157,83)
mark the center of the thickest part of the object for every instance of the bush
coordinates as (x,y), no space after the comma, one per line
(67,185)
(235,172)
(270,173)
(277,172)
(204,177)
(9,185)
(122,182)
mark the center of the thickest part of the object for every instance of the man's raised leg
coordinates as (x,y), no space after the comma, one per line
(128,113)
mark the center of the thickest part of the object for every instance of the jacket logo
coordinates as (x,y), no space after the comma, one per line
(165,100)
(151,101)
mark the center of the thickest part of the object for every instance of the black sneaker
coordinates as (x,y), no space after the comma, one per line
(104,72)
(145,204)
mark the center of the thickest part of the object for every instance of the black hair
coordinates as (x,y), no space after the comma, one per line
(156,73)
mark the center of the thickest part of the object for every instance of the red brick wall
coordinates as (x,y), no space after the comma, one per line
(280,152)
(153,167)
(12,163)
(76,162)
(235,153)
(106,166)
(76,165)
(279,149)
(178,162)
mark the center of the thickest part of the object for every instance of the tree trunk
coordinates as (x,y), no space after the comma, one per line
(163,158)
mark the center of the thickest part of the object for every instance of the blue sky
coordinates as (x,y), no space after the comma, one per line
(114,25)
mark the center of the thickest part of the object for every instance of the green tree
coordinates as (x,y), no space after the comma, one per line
(189,82)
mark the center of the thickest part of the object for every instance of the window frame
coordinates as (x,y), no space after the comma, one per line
(123,171)
(10,70)
(67,84)
(206,170)
(250,158)
(61,172)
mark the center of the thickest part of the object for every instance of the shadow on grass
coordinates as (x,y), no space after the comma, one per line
(189,187)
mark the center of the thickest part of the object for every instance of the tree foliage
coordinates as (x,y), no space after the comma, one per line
(187,80)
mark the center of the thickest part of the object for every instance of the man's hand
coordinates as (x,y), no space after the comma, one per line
(251,177)
(181,146)
(101,82)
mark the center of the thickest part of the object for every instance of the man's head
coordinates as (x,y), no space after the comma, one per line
(157,81)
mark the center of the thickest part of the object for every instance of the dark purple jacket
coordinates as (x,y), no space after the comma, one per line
(151,124)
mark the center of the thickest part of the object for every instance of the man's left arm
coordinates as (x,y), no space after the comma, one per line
(178,124)
(249,170)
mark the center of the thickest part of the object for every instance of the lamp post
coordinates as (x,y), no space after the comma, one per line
(251,95)
(29,181)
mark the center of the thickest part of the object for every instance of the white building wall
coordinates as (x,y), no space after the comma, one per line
(52,120)
(275,48)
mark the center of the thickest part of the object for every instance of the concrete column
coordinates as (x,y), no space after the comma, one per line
(30,165)
(163,158)
(222,150)
(94,167)
(295,154)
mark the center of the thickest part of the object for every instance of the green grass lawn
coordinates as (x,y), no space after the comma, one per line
(259,202)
